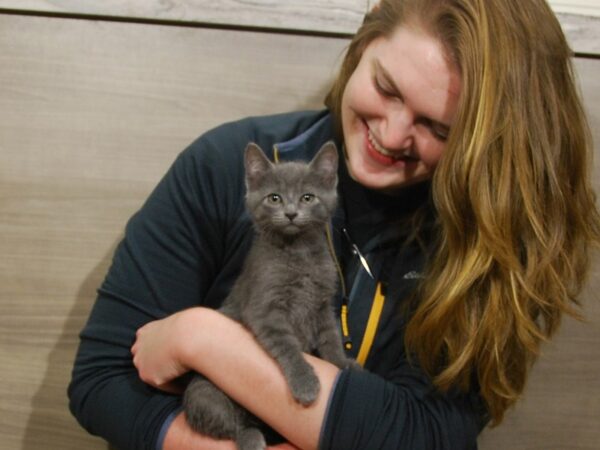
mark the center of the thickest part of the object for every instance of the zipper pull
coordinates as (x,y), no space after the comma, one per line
(357,252)
(346,339)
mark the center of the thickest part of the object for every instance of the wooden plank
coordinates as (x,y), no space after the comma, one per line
(91,116)
(583,32)
(582,7)
(580,20)
(338,16)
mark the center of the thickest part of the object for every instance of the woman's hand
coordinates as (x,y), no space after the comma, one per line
(159,349)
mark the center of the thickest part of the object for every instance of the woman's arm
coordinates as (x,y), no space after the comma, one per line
(210,343)
(181,437)
(365,410)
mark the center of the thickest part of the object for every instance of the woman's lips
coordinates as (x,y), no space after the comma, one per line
(383,156)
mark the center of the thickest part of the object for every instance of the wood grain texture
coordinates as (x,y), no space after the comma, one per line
(92,113)
(580,19)
(584,7)
(583,32)
(91,116)
(341,16)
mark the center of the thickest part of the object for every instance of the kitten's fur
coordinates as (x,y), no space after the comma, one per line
(284,292)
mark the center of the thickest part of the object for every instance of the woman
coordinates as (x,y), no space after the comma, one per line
(465,188)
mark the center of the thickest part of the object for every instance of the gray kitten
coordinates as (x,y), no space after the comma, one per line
(284,291)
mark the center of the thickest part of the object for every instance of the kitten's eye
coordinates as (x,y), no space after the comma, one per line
(307,198)
(274,198)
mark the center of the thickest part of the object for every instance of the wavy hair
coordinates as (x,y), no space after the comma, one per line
(515,210)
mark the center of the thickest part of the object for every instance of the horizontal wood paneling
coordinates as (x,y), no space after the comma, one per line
(580,19)
(92,113)
(582,32)
(91,116)
(584,7)
(342,16)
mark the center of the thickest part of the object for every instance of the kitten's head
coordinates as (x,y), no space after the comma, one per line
(290,198)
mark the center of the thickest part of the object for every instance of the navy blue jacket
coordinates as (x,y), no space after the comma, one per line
(185,247)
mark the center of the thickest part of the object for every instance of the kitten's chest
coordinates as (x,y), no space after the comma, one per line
(310,270)
(301,285)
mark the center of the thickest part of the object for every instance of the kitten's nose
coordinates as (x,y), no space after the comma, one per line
(291,215)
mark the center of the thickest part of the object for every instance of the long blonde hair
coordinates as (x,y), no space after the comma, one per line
(515,209)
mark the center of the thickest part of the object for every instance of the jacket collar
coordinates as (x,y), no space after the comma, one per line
(305,145)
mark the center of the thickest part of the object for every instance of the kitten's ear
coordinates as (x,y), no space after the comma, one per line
(325,163)
(257,164)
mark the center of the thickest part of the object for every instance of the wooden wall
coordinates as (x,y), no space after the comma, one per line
(93,111)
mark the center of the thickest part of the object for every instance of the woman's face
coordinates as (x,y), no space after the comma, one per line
(397,109)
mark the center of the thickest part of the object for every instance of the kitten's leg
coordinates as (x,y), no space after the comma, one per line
(329,340)
(274,333)
(209,411)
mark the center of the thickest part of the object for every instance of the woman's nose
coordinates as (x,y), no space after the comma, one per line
(398,129)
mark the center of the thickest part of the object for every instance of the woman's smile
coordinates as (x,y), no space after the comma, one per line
(386,157)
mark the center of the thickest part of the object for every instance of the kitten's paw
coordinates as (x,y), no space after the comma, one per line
(343,362)
(305,388)
(251,439)
(350,363)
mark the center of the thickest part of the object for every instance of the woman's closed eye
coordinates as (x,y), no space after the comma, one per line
(383,89)
(439,131)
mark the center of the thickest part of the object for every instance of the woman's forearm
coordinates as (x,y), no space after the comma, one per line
(181,437)
(227,354)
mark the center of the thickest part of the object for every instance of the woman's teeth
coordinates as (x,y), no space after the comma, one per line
(378,147)
(395,155)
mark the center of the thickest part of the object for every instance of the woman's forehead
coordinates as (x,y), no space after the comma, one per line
(417,65)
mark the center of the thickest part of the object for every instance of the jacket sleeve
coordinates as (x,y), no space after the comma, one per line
(173,256)
(366,411)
